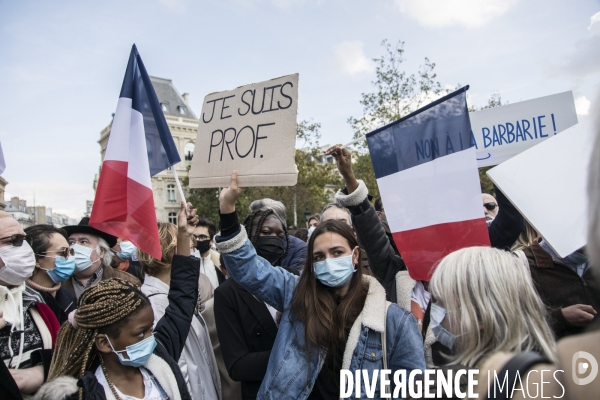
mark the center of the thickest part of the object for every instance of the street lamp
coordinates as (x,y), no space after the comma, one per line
(306,215)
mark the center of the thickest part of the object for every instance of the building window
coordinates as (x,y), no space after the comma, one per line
(171,193)
(173,218)
(165,107)
(188,151)
(181,110)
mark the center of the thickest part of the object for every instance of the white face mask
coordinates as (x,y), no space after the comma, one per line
(83,257)
(19,263)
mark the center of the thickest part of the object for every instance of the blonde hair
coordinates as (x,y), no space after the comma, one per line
(526,237)
(167,233)
(490,299)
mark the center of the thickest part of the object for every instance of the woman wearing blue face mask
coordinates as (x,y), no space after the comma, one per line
(109,344)
(123,259)
(333,318)
(54,264)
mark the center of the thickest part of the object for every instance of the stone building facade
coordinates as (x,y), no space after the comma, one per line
(183,124)
(3,184)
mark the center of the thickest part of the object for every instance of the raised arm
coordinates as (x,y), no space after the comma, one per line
(383,260)
(273,285)
(173,328)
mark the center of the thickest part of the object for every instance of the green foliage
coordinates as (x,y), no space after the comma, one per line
(396,94)
(363,169)
(486,184)
(313,177)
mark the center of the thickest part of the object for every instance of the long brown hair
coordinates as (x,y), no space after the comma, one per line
(327,318)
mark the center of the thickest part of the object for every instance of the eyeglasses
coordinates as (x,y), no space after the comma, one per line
(16,240)
(202,237)
(66,252)
(490,206)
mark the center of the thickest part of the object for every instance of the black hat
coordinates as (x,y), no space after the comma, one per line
(84,227)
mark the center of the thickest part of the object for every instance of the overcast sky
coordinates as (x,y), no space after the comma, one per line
(62,64)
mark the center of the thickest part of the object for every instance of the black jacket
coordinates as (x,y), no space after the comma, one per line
(170,332)
(62,304)
(384,262)
(246,332)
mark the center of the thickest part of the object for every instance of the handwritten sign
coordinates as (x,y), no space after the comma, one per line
(251,129)
(502,132)
(547,184)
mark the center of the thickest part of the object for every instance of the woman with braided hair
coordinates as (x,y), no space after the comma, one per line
(246,326)
(109,344)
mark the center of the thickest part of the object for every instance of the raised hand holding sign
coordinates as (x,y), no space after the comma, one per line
(251,129)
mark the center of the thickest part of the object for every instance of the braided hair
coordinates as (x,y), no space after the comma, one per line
(262,215)
(102,308)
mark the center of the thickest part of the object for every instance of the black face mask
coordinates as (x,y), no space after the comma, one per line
(269,247)
(203,246)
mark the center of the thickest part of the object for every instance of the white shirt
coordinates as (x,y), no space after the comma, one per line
(420,296)
(273,313)
(207,267)
(152,389)
(197,361)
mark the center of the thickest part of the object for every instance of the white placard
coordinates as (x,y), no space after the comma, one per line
(251,129)
(503,132)
(547,184)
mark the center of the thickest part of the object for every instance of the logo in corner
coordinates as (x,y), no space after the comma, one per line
(581,367)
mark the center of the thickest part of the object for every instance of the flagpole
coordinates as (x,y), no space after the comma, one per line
(354,141)
(179,187)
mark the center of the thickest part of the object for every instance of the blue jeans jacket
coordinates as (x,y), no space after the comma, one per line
(289,376)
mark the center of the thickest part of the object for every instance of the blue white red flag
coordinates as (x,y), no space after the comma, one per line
(426,169)
(140,146)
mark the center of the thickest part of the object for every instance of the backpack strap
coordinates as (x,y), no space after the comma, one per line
(386,389)
(519,364)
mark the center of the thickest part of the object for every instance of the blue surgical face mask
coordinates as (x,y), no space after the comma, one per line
(334,272)
(127,250)
(138,353)
(441,334)
(311,230)
(82,257)
(64,268)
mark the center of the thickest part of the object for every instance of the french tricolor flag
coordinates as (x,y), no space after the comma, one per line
(140,146)
(426,169)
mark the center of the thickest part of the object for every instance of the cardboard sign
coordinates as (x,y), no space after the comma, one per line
(251,129)
(503,132)
(547,184)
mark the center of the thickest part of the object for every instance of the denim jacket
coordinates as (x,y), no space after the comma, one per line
(288,375)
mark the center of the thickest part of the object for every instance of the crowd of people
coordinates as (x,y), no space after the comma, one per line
(260,310)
